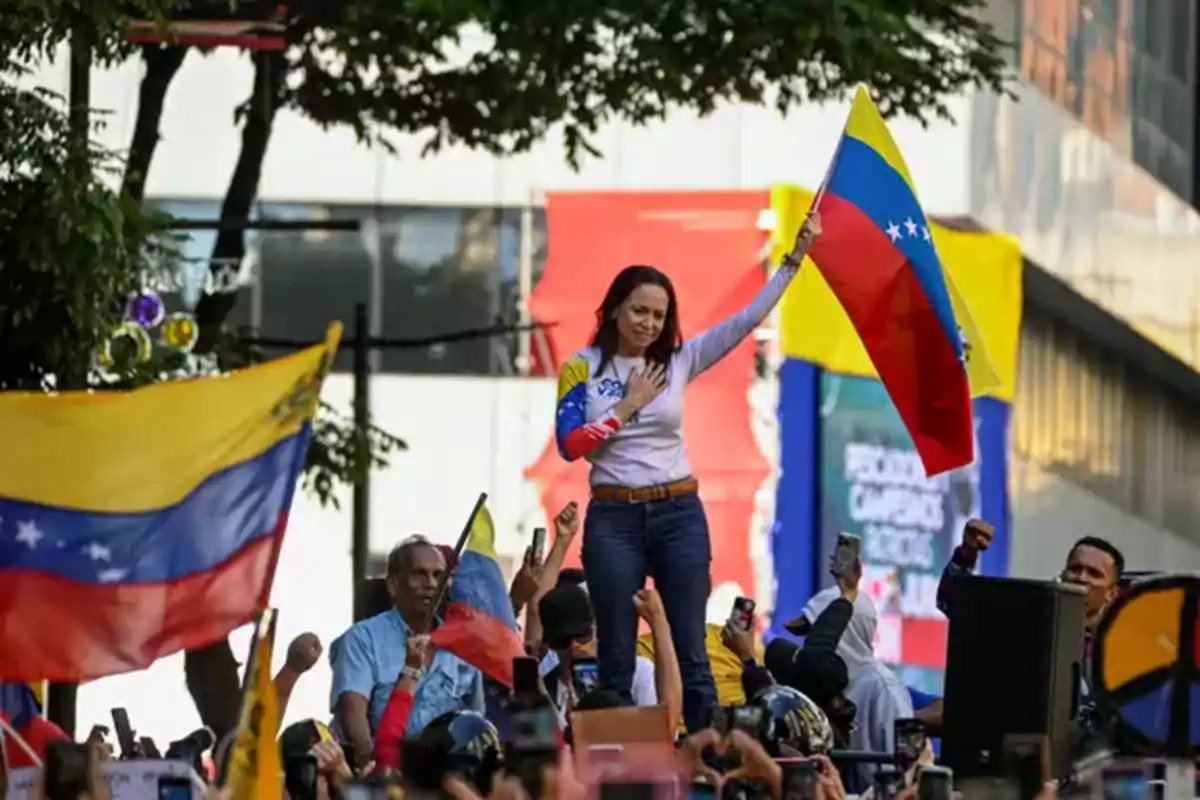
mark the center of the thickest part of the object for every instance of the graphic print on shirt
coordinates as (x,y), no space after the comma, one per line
(611,387)
(576,436)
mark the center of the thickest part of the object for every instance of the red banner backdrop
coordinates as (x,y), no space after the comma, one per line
(708,243)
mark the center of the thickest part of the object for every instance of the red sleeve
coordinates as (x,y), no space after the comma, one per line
(391,730)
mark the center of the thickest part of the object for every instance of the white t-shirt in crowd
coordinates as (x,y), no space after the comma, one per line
(643,689)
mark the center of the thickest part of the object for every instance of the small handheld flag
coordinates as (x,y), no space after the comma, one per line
(480,626)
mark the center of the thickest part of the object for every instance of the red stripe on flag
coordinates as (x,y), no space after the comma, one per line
(481,640)
(114,628)
(901,332)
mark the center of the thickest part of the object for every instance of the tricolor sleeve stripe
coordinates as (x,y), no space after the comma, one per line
(576,436)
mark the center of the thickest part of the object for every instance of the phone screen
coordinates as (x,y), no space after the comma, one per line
(174,788)
(934,783)
(845,557)
(525,676)
(702,790)
(535,730)
(538,548)
(585,674)
(799,779)
(1125,784)
(742,616)
(910,740)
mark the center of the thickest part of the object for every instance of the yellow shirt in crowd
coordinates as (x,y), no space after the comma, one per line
(726,668)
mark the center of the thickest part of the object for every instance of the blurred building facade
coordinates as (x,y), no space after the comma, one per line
(1091,165)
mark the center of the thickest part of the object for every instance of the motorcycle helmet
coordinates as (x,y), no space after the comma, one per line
(459,743)
(795,725)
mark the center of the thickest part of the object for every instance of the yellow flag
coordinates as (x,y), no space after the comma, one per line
(255,768)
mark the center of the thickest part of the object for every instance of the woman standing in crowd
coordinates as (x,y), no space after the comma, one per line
(620,406)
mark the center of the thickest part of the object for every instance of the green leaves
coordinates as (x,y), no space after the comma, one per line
(502,75)
(71,249)
(342,453)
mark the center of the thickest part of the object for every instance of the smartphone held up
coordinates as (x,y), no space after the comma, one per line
(846,556)
(741,618)
(537,549)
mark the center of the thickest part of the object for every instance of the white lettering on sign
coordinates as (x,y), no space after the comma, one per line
(901,547)
(127,780)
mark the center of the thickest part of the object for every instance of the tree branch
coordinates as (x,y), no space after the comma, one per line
(259,114)
(162,62)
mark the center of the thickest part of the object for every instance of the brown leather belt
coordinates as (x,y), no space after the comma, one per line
(646,494)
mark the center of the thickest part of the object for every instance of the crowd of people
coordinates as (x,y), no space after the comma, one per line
(596,707)
(408,717)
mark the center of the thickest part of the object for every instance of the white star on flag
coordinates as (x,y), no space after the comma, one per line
(893,230)
(925,233)
(111,575)
(28,533)
(912,226)
(98,552)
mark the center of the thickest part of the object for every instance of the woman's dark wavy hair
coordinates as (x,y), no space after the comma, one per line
(605,336)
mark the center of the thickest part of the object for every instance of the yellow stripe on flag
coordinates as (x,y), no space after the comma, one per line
(145,450)
(483,534)
(866,124)
(40,690)
(983,276)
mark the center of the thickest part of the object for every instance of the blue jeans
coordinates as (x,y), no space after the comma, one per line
(667,540)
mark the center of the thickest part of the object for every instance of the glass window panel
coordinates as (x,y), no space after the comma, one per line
(438,278)
(310,278)
(1180,39)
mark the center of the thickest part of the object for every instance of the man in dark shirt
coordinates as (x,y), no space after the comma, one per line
(1093,563)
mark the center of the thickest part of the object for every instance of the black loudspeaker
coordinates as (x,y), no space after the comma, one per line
(1013,668)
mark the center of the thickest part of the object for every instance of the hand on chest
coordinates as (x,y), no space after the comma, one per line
(608,389)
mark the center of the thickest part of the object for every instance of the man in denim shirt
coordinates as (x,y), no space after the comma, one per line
(370,657)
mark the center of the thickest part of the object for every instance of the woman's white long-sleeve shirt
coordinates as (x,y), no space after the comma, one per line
(648,450)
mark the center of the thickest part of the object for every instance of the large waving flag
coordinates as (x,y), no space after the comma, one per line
(876,253)
(137,524)
(480,626)
(254,767)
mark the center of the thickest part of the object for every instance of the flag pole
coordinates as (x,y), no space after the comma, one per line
(448,573)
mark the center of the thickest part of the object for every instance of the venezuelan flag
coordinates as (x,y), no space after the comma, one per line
(137,524)
(877,255)
(255,768)
(480,626)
